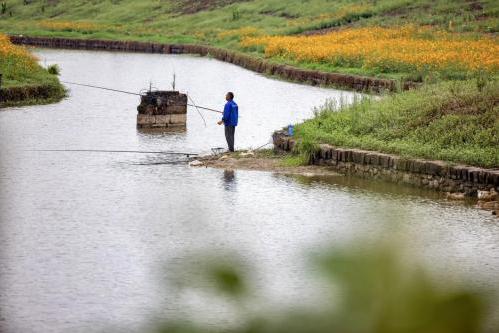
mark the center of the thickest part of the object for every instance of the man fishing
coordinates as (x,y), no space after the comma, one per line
(229,119)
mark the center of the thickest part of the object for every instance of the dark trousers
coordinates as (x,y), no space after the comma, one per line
(229,136)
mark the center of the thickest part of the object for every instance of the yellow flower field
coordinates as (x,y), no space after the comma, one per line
(14,58)
(386,49)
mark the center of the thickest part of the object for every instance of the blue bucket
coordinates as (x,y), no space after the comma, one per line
(291,130)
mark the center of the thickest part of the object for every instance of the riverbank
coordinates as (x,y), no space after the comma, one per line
(481,186)
(261,160)
(259,65)
(456,122)
(23,81)
(420,42)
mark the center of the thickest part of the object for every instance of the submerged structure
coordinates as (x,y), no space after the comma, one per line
(162,109)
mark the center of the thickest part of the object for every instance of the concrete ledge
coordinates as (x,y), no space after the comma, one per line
(29,92)
(168,120)
(437,175)
(355,82)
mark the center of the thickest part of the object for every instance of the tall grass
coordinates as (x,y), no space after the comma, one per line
(452,121)
(20,68)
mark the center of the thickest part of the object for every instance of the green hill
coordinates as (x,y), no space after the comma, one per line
(196,21)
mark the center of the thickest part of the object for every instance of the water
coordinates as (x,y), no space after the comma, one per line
(86,237)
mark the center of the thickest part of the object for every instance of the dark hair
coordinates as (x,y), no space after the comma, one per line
(231,95)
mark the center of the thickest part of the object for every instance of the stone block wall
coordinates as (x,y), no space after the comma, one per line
(162,109)
(436,175)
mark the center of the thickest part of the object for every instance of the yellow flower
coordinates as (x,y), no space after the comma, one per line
(393,49)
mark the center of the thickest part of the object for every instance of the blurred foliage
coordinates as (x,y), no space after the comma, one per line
(378,288)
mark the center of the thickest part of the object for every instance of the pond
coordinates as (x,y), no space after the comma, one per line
(85,236)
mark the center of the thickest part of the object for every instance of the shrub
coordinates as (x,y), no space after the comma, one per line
(54,69)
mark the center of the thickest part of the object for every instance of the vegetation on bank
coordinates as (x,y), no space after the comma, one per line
(227,23)
(454,121)
(406,49)
(21,72)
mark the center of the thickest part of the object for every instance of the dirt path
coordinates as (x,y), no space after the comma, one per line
(260,161)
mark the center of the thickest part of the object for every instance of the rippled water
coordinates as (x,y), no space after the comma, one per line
(84,236)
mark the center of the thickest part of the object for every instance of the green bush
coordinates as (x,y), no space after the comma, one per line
(54,69)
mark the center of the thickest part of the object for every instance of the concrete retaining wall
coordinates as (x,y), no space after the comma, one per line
(358,83)
(436,175)
(12,95)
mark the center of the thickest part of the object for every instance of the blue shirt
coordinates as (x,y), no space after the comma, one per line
(230,115)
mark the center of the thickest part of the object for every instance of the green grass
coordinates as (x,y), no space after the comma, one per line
(40,76)
(451,121)
(166,21)
(273,16)
(21,71)
(294,160)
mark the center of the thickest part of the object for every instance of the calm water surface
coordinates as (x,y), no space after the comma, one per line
(85,237)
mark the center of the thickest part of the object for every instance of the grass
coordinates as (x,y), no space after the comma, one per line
(226,23)
(20,69)
(451,121)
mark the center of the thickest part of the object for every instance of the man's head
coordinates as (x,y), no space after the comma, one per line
(229,96)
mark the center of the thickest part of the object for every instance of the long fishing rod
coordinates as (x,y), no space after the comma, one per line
(116,151)
(201,107)
(132,93)
(103,88)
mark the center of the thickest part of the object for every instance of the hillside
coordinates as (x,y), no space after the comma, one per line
(230,23)
(198,20)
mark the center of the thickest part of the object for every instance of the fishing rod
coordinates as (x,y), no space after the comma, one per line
(132,93)
(103,88)
(201,107)
(117,151)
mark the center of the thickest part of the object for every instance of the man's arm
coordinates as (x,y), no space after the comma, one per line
(226,114)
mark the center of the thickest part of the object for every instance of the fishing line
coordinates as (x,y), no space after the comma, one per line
(116,151)
(103,88)
(178,162)
(132,93)
(268,143)
(199,112)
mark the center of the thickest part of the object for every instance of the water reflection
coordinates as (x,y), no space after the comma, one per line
(229,180)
